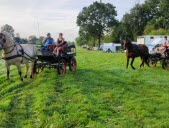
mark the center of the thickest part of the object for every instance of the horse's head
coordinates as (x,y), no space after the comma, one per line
(2,40)
(126,43)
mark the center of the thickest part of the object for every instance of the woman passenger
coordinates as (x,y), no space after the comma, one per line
(61,43)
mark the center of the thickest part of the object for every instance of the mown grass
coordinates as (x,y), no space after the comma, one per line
(101,94)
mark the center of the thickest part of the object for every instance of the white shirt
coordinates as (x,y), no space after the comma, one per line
(166,41)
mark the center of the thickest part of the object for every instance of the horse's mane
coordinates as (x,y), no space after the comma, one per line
(8,36)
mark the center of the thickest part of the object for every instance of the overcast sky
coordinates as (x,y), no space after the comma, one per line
(52,16)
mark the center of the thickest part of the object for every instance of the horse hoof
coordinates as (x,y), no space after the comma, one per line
(25,76)
(31,76)
(21,79)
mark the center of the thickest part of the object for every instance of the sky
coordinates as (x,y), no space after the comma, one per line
(38,17)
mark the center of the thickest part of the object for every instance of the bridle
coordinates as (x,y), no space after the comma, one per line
(125,46)
(3,37)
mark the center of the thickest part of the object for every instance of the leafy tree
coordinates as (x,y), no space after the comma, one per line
(81,41)
(160,31)
(95,20)
(148,29)
(163,17)
(33,39)
(40,39)
(8,29)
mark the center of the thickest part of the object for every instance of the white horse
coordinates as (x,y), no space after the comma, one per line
(17,54)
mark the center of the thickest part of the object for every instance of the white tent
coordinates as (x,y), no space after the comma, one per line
(110,47)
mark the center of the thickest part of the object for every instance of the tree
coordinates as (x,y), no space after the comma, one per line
(40,39)
(80,41)
(33,39)
(8,29)
(160,31)
(95,20)
(163,17)
(148,29)
(140,15)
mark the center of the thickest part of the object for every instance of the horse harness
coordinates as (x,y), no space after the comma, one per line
(20,52)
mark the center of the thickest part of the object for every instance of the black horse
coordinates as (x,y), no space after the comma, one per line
(133,51)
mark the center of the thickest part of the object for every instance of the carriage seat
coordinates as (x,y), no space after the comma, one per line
(69,49)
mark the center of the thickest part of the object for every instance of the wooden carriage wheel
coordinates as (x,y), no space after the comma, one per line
(72,65)
(152,63)
(165,63)
(62,67)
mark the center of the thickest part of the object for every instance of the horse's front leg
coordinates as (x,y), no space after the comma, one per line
(8,70)
(19,70)
(127,62)
(27,68)
(132,63)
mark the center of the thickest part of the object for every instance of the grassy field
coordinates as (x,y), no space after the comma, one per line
(101,94)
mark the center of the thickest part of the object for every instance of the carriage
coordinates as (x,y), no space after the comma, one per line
(66,58)
(161,55)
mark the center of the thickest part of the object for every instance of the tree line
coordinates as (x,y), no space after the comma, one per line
(31,39)
(98,23)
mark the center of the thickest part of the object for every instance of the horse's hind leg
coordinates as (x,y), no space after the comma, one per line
(27,68)
(19,70)
(132,63)
(8,70)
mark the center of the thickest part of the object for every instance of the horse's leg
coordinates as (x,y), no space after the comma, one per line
(132,63)
(8,70)
(27,68)
(147,60)
(19,70)
(32,68)
(127,62)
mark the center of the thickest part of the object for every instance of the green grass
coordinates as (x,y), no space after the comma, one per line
(101,94)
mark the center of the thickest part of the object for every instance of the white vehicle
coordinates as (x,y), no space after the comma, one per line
(148,39)
(110,47)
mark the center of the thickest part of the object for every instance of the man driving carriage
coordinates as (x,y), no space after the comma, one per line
(162,48)
(46,42)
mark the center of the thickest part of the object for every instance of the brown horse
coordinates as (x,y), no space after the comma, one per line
(133,51)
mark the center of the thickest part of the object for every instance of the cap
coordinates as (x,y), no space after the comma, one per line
(48,34)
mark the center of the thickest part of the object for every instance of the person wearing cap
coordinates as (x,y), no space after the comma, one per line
(60,44)
(47,41)
(166,41)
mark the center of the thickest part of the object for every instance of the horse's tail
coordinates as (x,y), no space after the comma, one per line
(34,66)
(35,61)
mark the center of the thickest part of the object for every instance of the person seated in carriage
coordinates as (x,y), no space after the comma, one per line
(60,44)
(166,45)
(46,42)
